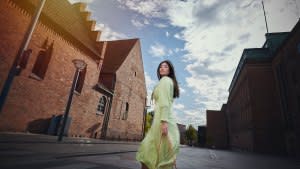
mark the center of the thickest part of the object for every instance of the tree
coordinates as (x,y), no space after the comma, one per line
(149,119)
(191,134)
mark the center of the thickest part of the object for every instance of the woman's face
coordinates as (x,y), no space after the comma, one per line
(164,69)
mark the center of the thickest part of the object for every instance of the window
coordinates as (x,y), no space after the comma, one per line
(101,106)
(135,74)
(24,58)
(80,81)
(45,44)
(125,114)
(23,61)
(41,64)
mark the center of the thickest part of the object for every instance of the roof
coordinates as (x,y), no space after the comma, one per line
(274,40)
(266,53)
(115,54)
(70,21)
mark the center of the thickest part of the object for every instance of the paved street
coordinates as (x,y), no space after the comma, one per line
(24,151)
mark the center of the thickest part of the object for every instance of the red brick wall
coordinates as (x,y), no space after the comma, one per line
(129,88)
(31,102)
(267,124)
(288,90)
(240,113)
(216,129)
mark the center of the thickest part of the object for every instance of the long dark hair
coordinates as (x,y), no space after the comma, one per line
(171,75)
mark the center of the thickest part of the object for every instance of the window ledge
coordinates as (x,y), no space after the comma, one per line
(36,77)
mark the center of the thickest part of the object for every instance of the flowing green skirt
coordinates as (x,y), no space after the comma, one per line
(158,151)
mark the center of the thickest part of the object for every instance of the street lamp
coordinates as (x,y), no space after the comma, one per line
(24,44)
(79,65)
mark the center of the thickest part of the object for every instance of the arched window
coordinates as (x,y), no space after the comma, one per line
(125,114)
(101,105)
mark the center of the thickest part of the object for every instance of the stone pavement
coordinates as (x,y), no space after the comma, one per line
(31,151)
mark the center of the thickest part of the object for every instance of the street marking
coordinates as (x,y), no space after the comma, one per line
(212,155)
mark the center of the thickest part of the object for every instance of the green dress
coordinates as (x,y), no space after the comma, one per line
(158,151)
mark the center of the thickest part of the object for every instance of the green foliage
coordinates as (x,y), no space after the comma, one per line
(149,119)
(191,134)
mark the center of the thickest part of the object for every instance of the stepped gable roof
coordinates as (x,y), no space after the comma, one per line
(70,21)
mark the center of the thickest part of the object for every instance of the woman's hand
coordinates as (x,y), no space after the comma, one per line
(164,128)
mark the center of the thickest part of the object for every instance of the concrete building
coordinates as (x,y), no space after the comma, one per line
(286,70)
(216,128)
(40,91)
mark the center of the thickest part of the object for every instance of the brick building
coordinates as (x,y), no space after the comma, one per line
(201,132)
(122,74)
(254,111)
(216,128)
(40,91)
(286,70)
(182,130)
(264,103)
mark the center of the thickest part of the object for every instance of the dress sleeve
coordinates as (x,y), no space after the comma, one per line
(165,97)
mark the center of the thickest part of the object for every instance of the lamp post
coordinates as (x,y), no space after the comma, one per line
(26,39)
(79,65)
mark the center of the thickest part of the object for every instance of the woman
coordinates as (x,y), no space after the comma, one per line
(159,148)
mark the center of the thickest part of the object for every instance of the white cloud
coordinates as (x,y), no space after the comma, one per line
(140,23)
(158,50)
(190,116)
(210,59)
(178,50)
(181,13)
(108,34)
(149,81)
(160,25)
(178,106)
(150,86)
(170,52)
(177,36)
(153,8)
(146,22)
(182,90)
(167,34)
(137,23)
(214,33)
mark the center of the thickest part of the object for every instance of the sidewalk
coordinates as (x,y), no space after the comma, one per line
(19,137)
(26,150)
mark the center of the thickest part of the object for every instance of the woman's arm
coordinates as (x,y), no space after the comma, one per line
(164,101)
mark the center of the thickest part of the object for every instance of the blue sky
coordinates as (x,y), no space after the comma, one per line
(203,38)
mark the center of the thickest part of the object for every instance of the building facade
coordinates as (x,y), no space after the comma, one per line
(201,132)
(216,128)
(40,90)
(253,111)
(286,70)
(122,74)
(182,130)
